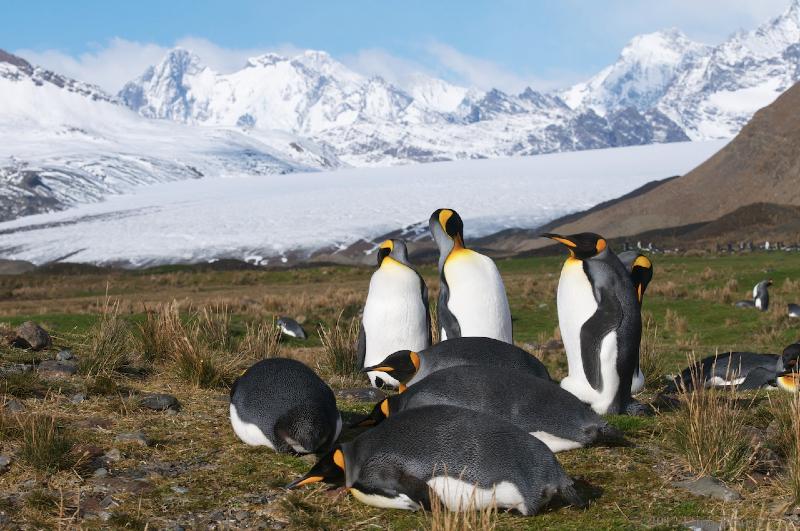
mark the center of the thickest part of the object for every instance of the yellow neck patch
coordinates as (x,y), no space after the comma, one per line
(444,216)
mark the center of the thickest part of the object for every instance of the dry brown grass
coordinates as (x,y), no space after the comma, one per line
(261,341)
(463,518)
(108,346)
(785,410)
(651,359)
(675,323)
(707,431)
(339,347)
(435,332)
(45,445)
(668,289)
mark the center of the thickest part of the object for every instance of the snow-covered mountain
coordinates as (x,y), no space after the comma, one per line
(64,142)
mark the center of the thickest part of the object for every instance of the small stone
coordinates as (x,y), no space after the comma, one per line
(160,402)
(310,459)
(14,406)
(113,455)
(16,368)
(31,335)
(107,502)
(29,484)
(707,486)
(77,398)
(91,423)
(64,355)
(554,344)
(101,473)
(5,462)
(134,437)
(179,490)
(363,394)
(104,516)
(57,369)
(703,525)
(242,515)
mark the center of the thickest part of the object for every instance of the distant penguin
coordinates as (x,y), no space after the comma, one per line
(290,327)
(794,310)
(282,404)
(600,322)
(760,297)
(745,370)
(396,314)
(472,296)
(536,406)
(467,459)
(409,367)
(641,270)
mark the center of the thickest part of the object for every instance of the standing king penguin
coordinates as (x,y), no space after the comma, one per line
(396,314)
(641,270)
(601,324)
(472,297)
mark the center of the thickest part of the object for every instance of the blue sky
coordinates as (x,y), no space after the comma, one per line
(505,43)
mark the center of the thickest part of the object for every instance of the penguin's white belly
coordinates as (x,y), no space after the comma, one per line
(248,433)
(554,442)
(394,316)
(383,502)
(458,495)
(477,296)
(717,381)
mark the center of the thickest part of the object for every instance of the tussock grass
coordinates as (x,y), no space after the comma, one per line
(158,331)
(261,341)
(675,323)
(651,359)
(45,445)
(108,347)
(707,431)
(339,347)
(785,410)
(23,384)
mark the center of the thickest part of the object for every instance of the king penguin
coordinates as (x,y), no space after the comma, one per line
(282,404)
(396,313)
(760,297)
(601,324)
(641,270)
(472,297)
(467,459)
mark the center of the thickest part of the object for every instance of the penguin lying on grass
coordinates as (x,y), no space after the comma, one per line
(290,327)
(536,406)
(282,404)
(760,297)
(745,370)
(600,320)
(794,310)
(409,367)
(472,296)
(468,459)
(396,313)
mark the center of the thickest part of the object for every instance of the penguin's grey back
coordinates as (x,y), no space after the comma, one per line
(477,352)
(289,403)
(468,446)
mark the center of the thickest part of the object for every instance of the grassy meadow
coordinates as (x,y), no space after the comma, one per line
(188,333)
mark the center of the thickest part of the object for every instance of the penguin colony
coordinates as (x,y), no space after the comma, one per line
(477,420)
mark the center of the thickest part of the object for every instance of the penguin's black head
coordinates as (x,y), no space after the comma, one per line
(402,365)
(378,414)
(790,358)
(394,248)
(641,274)
(581,246)
(447,229)
(330,469)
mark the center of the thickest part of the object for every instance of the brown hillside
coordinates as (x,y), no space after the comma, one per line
(762,164)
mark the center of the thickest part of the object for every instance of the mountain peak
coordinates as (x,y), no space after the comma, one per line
(17,61)
(267,59)
(665,46)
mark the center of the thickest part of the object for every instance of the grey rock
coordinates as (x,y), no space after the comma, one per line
(104,516)
(101,473)
(707,486)
(77,398)
(64,355)
(134,437)
(113,455)
(31,335)
(107,502)
(179,490)
(364,394)
(14,406)
(57,369)
(159,402)
(29,484)
(16,368)
(703,525)
(5,462)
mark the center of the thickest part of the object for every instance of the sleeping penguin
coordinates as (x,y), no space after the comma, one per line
(536,406)
(601,325)
(409,367)
(282,404)
(472,296)
(396,314)
(641,270)
(760,297)
(468,459)
(745,370)
(290,327)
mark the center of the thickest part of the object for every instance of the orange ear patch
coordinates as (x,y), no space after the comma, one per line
(601,245)
(338,458)
(385,408)
(414,359)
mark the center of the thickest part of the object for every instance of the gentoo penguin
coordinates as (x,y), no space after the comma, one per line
(536,406)
(472,297)
(396,314)
(601,324)
(794,310)
(468,459)
(760,297)
(745,370)
(641,270)
(282,404)
(409,367)
(290,327)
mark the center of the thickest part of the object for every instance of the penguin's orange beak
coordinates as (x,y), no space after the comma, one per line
(560,239)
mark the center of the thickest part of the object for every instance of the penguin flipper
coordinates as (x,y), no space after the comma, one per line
(605,320)
(427,305)
(447,321)
(361,347)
